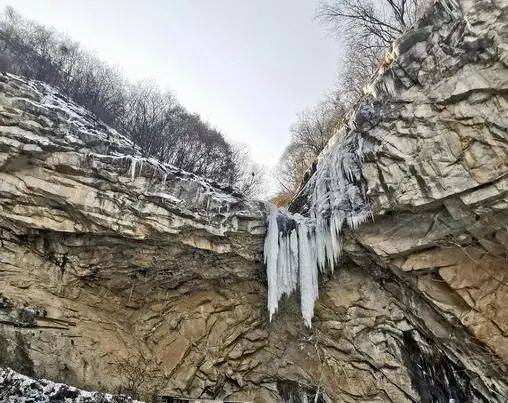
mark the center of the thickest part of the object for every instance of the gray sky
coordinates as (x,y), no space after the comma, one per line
(246,66)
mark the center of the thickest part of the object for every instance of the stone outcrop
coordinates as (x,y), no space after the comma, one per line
(17,388)
(119,273)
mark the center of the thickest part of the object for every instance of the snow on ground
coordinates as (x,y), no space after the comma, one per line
(17,388)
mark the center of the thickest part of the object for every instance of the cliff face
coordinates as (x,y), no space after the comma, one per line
(120,272)
(433,134)
(438,177)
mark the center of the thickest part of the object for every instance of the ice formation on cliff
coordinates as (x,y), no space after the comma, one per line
(297,248)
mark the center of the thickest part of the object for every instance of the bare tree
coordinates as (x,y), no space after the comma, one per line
(309,136)
(249,177)
(367,28)
(371,24)
(152,118)
(315,127)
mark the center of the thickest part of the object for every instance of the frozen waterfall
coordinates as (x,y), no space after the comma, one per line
(298,248)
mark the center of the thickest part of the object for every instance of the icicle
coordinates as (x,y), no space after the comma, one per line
(133,167)
(320,235)
(330,256)
(281,266)
(140,166)
(359,149)
(293,247)
(308,275)
(271,253)
(297,248)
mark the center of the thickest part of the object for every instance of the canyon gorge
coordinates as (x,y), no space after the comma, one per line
(121,274)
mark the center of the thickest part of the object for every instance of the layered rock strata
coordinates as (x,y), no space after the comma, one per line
(112,265)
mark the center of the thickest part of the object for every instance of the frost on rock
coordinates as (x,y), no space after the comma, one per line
(297,248)
(165,197)
(17,388)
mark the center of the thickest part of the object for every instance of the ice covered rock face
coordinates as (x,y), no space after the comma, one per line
(298,248)
(416,138)
(95,180)
(97,269)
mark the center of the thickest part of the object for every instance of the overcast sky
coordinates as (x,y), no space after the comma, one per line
(246,66)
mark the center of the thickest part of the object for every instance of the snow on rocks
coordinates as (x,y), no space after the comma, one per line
(297,248)
(131,194)
(17,388)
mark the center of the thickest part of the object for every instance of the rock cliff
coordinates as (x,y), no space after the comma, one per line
(122,274)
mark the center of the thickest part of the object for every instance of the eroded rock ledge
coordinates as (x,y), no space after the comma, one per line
(110,263)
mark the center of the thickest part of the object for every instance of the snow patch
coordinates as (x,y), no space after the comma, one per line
(17,388)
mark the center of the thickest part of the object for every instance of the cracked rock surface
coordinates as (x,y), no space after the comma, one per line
(113,265)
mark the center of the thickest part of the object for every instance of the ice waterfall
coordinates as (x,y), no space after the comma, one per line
(298,248)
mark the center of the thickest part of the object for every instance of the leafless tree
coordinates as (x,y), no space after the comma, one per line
(309,136)
(149,116)
(367,29)
(371,24)
(35,51)
(315,127)
(152,118)
(249,177)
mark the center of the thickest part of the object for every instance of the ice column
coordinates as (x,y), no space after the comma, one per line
(298,248)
